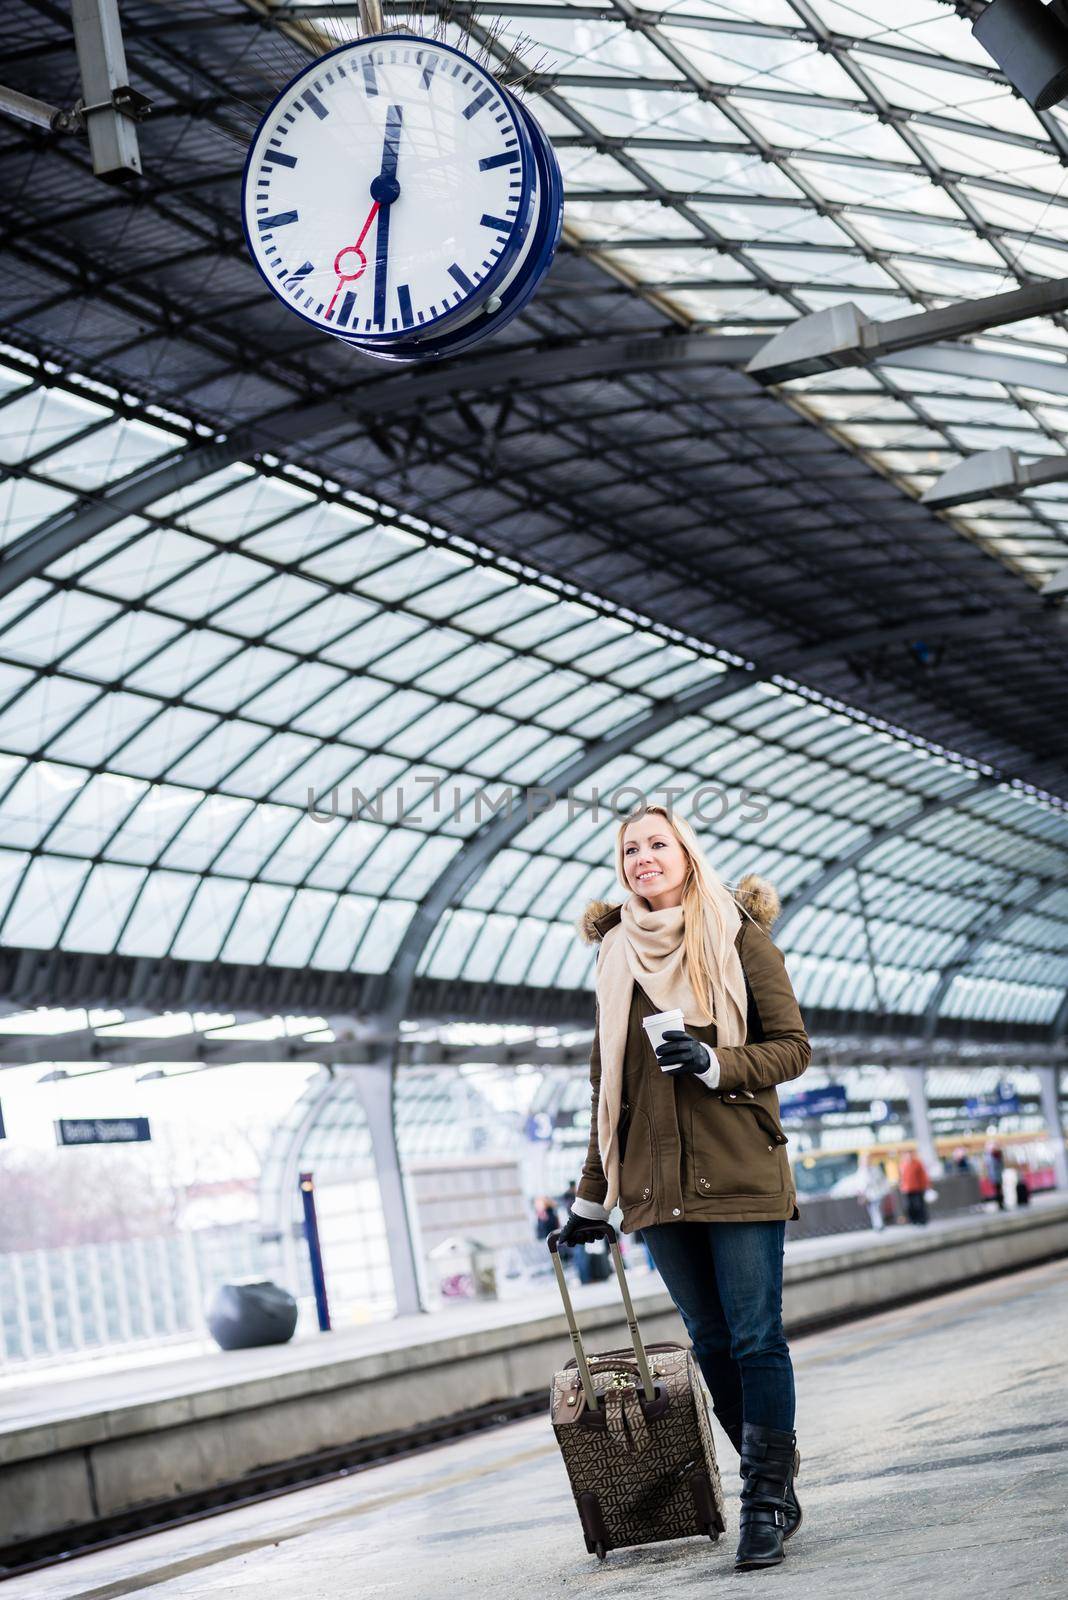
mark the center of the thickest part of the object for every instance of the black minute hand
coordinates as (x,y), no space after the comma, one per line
(385,189)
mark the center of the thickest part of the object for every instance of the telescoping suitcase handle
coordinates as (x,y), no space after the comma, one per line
(606,1231)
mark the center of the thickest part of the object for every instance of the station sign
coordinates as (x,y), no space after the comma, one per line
(812,1103)
(102,1130)
(1002,1105)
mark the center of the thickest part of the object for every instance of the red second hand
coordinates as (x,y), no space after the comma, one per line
(350,277)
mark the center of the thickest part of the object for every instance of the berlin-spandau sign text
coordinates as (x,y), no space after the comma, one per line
(102,1130)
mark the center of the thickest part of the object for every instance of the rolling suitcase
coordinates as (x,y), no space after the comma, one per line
(633,1430)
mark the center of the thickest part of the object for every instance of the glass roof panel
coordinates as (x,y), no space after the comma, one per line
(207,587)
(256,501)
(38,421)
(155,916)
(31,803)
(301,927)
(102,909)
(108,453)
(92,813)
(47,631)
(45,894)
(756,61)
(207,918)
(256,923)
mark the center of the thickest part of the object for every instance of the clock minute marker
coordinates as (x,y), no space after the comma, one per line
(279,220)
(477,103)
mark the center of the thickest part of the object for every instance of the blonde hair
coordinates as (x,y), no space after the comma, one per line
(711,921)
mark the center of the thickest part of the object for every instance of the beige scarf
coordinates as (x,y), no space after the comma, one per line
(646,947)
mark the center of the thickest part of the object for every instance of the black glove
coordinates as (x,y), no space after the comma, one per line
(678,1052)
(576,1230)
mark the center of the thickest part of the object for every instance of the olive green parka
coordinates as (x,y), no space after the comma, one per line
(693,1154)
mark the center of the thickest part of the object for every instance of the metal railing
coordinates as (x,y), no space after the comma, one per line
(123,1293)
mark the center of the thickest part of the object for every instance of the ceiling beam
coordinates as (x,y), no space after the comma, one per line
(842,336)
(993,473)
(988,366)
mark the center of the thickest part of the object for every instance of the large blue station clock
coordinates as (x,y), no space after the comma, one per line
(397,196)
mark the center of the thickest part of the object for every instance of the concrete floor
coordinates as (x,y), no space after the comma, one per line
(935,1445)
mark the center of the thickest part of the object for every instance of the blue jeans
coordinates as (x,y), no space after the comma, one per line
(726,1280)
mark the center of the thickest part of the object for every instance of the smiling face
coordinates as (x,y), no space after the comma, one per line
(654,861)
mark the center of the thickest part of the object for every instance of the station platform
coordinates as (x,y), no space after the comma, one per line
(82,1447)
(934,1445)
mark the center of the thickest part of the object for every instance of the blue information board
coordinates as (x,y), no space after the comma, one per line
(103,1130)
(1003,1105)
(815,1103)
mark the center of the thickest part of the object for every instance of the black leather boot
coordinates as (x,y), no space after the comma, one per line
(767,1464)
(731,1423)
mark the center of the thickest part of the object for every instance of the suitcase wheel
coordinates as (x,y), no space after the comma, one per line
(599,1551)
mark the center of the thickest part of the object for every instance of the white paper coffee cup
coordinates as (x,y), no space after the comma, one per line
(660,1023)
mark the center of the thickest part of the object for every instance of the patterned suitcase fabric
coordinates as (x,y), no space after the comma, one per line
(641,1471)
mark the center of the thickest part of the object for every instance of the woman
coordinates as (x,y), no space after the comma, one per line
(688,1140)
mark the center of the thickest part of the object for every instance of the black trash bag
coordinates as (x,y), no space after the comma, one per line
(247,1314)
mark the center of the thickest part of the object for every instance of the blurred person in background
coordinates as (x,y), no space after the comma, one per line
(913,1184)
(872,1190)
(994,1171)
(577,1253)
(546,1217)
(685,1134)
(960,1160)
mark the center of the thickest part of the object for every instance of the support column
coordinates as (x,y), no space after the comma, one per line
(916,1080)
(374,1082)
(1049,1081)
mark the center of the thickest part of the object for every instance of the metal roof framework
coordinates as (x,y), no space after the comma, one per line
(478,580)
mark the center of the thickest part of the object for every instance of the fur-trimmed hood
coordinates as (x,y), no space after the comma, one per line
(755,895)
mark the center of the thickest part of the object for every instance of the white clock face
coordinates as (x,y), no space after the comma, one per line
(388,189)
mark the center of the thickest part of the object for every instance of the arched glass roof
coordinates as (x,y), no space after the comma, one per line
(176,687)
(473,593)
